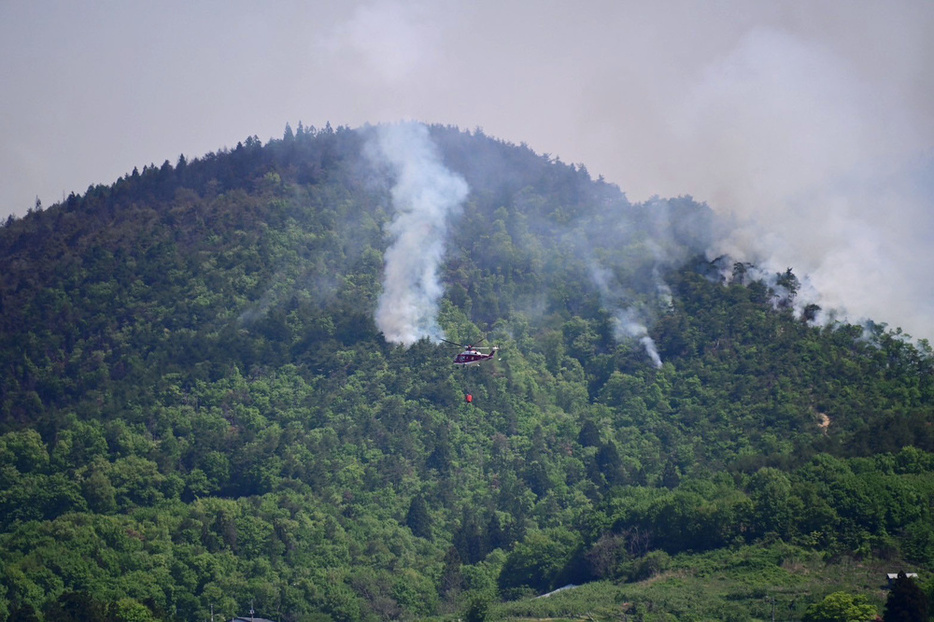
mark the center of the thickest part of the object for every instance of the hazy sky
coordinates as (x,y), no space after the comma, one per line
(813,119)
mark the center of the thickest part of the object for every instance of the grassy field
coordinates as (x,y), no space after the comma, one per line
(751,583)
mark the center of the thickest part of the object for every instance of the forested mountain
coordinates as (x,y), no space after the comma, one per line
(198,409)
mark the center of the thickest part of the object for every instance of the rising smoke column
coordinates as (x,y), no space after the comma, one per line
(627,323)
(424,195)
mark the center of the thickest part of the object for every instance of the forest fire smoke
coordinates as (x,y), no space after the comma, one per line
(626,325)
(424,195)
(626,322)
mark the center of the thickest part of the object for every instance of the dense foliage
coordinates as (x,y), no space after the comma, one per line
(197,409)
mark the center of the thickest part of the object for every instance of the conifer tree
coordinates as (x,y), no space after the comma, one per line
(906,602)
(417,519)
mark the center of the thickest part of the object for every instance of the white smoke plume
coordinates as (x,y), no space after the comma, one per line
(425,194)
(627,322)
(627,325)
(820,163)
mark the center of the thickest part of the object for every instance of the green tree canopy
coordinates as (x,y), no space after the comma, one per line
(841,607)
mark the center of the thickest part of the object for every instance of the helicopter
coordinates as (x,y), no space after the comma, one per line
(472,354)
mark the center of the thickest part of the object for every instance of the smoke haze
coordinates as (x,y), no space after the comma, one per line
(424,195)
(811,124)
(628,323)
(814,164)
